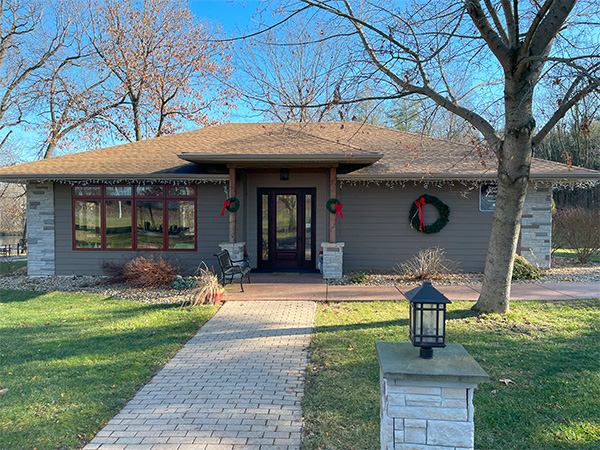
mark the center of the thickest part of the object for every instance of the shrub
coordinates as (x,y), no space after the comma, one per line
(524,270)
(558,237)
(579,228)
(359,278)
(428,264)
(149,272)
(114,271)
(185,282)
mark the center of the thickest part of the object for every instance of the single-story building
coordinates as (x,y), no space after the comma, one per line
(278,192)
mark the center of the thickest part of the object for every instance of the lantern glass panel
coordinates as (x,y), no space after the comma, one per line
(429,324)
(441,316)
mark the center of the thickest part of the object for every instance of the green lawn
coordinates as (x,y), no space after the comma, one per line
(568,253)
(7,267)
(71,361)
(549,350)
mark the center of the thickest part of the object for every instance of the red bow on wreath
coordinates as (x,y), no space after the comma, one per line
(338,210)
(420,203)
(226,203)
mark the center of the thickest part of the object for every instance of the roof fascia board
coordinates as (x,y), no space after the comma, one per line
(233,158)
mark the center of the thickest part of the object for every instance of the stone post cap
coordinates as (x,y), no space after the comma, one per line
(332,244)
(232,244)
(451,364)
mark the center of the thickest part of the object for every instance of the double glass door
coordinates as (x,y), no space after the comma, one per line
(286,237)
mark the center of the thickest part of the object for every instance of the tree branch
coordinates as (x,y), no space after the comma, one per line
(494,42)
(550,25)
(534,27)
(494,13)
(513,29)
(564,107)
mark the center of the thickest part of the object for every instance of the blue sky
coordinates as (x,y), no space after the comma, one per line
(235,17)
(230,14)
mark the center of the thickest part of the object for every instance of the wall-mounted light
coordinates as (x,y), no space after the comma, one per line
(284,174)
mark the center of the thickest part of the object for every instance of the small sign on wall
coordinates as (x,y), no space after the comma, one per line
(487,197)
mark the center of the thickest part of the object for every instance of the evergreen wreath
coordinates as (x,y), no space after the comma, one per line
(435,227)
(331,204)
(234,204)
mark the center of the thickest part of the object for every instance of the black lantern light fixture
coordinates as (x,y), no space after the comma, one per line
(427,324)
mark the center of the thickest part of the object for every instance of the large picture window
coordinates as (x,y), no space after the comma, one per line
(134,217)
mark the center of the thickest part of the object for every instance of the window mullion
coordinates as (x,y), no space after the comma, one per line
(165,224)
(134,220)
(103,223)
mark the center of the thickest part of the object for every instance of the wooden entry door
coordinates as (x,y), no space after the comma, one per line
(286,228)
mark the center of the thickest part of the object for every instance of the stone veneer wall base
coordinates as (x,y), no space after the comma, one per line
(40,230)
(536,227)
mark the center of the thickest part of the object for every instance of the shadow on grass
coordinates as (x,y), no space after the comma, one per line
(361,326)
(12,296)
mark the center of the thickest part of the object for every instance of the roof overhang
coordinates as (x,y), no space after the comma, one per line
(282,160)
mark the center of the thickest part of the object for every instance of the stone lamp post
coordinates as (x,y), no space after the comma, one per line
(427,323)
(427,403)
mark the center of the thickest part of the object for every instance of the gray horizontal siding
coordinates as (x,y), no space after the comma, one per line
(211,229)
(377,233)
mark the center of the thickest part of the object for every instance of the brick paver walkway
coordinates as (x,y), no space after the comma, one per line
(238,384)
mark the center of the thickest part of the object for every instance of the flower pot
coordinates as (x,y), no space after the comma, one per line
(217,298)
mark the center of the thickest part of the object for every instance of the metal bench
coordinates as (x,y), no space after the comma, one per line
(229,269)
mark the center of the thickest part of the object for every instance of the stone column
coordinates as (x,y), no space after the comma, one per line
(333,256)
(236,251)
(536,227)
(40,230)
(427,404)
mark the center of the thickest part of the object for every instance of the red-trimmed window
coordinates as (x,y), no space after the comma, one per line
(129,217)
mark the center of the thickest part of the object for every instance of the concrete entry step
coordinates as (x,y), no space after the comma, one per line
(283,286)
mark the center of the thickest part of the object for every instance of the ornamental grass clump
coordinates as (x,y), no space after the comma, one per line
(428,264)
(209,289)
(149,272)
(524,270)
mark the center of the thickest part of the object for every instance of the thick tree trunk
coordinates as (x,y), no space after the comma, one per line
(495,292)
(514,162)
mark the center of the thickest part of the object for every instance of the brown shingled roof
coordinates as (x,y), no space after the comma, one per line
(405,155)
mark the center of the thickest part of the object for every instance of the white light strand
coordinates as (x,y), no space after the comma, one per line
(122,181)
(452,182)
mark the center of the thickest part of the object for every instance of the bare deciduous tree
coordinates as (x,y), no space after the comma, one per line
(286,71)
(12,209)
(164,62)
(30,35)
(76,72)
(74,93)
(506,50)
